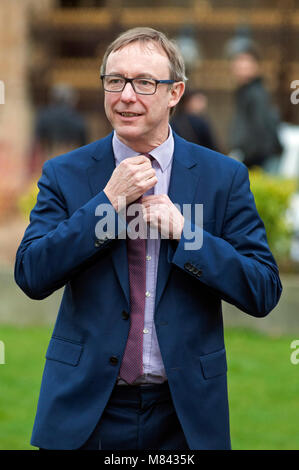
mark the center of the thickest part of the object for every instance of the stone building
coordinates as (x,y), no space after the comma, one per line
(45,42)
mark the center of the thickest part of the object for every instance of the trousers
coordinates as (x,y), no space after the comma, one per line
(138,417)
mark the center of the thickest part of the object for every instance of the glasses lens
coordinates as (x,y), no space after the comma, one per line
(144,85)
(113,83)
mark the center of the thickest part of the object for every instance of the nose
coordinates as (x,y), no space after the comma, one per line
(128,93)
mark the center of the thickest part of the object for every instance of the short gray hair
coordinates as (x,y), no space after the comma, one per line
(146,35)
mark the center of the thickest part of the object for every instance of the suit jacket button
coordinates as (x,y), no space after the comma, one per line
(199,273)
(98,243)
(125,315)
(187,266)
(113,360)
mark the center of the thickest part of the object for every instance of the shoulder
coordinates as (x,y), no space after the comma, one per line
(256,90)
(207,160)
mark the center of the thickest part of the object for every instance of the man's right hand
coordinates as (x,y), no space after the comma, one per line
(133,177)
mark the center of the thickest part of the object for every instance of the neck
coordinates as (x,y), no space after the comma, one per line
(145,146)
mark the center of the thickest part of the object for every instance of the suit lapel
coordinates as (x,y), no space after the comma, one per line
(99,172)
(102,165)
(182,188)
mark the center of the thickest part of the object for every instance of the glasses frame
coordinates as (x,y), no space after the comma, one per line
(131,80)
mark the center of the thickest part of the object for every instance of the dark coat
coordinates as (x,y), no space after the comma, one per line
(254,127)
(195,129)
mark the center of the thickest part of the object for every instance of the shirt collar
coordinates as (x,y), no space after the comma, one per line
(162,154)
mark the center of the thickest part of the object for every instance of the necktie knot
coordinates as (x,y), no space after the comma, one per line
(149,156)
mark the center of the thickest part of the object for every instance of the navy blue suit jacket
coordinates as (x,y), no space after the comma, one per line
(60,248)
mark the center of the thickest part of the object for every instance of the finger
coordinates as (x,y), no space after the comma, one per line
(150,198)
(148,203)
(158,197)
(144,166)
(132,162)
(139,160)
(150,173)
(150,183)
(153,200)
(150,215)
(136,169)
(145,173)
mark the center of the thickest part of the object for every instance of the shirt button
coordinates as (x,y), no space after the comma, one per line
(147,294)
(148,258)
(145,330)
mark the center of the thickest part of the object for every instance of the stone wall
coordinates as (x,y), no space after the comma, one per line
(15,113)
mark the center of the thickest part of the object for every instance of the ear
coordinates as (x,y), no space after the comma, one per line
(176,92)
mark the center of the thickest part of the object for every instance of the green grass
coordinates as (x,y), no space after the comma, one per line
(263,388)
(263,391)
(20,379)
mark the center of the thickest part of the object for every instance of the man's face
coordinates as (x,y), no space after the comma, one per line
(148,128)
(244,68)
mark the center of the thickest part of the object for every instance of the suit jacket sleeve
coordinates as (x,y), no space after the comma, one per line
(55,245)
(238,266)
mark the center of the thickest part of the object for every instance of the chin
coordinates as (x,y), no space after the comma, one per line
(128,134)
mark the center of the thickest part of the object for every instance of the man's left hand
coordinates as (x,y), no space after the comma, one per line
(162,214)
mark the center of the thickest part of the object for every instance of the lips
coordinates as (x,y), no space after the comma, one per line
(129,114)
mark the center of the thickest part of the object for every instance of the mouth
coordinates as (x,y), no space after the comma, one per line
(128,114)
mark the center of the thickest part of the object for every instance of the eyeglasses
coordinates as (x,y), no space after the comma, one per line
(142,86)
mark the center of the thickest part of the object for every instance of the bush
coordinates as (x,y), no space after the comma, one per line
(27,200)
(272,196)
(9,188)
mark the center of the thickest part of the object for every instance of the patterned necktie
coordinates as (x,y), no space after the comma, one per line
(132,362)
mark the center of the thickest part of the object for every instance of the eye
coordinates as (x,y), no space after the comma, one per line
(115,80)
(144,82)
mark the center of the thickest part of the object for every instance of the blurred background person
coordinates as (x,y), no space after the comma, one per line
(190,47)
(190,121)
(59,127)
(254,128)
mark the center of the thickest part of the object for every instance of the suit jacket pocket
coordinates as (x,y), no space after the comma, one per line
(213,364)
(64,351)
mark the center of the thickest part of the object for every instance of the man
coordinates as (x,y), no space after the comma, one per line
(59,128)
(190,121)
(254,129)
(137,357)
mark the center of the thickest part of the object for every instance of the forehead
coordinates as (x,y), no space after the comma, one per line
(138,58)
(244,58)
